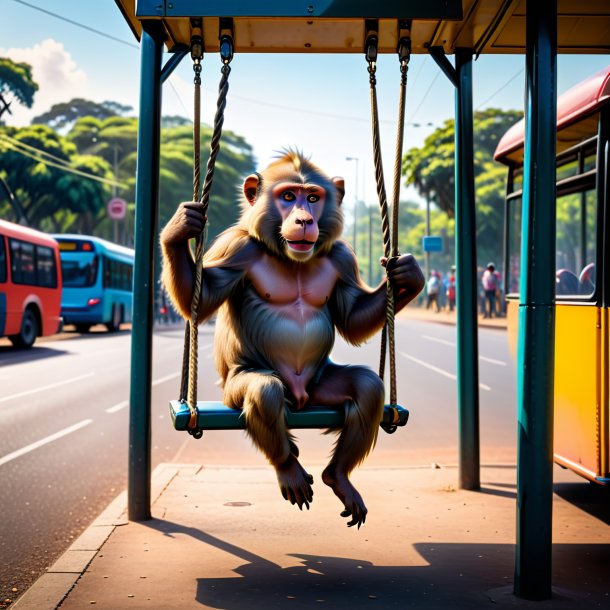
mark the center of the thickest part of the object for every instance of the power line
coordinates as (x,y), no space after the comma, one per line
(64,168)
(76,23)
(35,150)
(423,99)
(508,82)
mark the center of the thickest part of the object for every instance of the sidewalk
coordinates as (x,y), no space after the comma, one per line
(446,317)
(224,538)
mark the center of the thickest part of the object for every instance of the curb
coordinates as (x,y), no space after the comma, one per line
(49,591)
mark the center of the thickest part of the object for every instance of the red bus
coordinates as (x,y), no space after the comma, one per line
(30,284)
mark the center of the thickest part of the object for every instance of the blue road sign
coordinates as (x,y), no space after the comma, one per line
(432,243)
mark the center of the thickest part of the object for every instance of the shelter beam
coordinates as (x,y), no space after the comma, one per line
(466,277)
(147,204)
(535,351)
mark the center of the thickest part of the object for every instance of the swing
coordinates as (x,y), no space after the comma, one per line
(189,414)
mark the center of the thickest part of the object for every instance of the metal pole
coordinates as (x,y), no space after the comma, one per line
(535,352)
(357,160)
(370,245)
(147,203)
(466,276)
(427,254)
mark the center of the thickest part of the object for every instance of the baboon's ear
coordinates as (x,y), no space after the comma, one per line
(251,187)
(340,186)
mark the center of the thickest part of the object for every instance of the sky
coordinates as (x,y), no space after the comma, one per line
(319,104)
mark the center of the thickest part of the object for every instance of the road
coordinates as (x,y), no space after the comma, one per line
(64,426)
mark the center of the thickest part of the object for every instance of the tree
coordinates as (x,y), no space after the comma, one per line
(62,116)
(431,170)
(46,173)
(16,79)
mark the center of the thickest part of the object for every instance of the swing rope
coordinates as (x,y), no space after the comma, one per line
(390,241)
(188,385)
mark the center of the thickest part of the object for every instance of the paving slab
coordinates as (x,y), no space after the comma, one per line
(223,537)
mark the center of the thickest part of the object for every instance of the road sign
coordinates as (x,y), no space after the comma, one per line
(432,243)
(117,208)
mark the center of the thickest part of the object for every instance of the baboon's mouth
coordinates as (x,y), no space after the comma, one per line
(301,245)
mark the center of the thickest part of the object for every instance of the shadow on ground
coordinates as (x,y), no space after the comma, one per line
(456,576)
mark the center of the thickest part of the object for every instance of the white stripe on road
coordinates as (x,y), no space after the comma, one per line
(430,366)
(118,407)
(443,341)
(45,441)
(440,371)
(166,378)
(45,387)
(125,403)
(498,362)
(453,344)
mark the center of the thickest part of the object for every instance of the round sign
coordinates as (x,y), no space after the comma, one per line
(117,208)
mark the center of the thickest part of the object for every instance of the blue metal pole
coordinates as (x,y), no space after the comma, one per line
(147,203)
(466,276)
(535,352)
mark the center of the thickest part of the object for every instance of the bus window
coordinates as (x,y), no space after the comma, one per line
(576,239)
(46,271)
(23,270)
(513,268)
(79,273)
(2,260)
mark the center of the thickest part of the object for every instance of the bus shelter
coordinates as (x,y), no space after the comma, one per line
(464,29)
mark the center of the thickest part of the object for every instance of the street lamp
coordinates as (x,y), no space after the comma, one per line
(357,160)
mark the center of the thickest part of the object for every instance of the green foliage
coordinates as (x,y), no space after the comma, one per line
(16,79)
(431,170)
(107,147)
(54,199)
(63,115)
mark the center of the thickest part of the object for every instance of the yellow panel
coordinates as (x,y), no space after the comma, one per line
(578,344)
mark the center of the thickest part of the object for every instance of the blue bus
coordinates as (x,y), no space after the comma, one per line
(97,281)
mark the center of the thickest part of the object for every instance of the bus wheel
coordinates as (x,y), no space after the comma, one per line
(115,324)
(28,332)
(82,328)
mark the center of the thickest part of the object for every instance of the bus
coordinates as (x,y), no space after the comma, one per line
(30,284)
(582,333)
(97,282)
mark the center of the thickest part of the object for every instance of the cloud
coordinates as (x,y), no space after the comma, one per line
(59,79)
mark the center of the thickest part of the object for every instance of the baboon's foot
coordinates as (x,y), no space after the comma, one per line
(295,483)
(348,494)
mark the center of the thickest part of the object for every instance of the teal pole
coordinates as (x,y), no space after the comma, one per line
(535,351)
(147,203)
(466,276)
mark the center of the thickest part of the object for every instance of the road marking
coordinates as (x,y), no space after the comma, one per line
(498,362)
(166,378)
(125,403)
(440,371)
(45,441)
(45,387)
(453,344)
(443,341)
(430,366)
(118,407)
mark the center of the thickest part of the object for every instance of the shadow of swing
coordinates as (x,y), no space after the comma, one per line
(461,576)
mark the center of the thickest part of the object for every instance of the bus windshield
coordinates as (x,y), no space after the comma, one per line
(80,271)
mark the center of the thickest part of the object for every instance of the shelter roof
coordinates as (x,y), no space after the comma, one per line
(339,26)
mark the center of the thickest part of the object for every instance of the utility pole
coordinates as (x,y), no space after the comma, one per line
(357,160)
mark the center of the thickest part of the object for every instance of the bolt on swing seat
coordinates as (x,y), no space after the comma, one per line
(214,415)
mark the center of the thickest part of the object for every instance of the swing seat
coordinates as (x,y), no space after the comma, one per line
(217,416)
